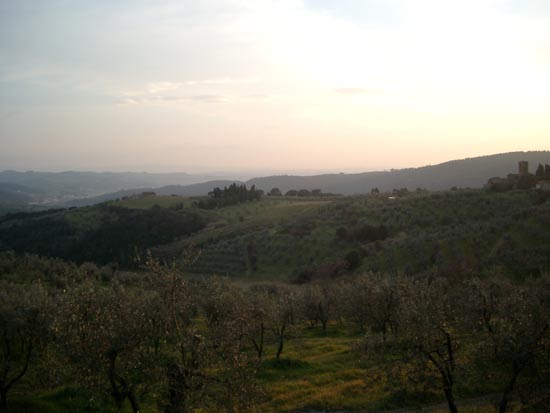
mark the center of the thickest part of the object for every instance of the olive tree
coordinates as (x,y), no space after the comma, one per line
(257,307)
(432,320)
(372,304)
(228,332)
(207,363)
(24,329)
(282,315)
(108,335)
(318,303)
(515,322)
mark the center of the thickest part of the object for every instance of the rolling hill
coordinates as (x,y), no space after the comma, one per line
(88,188)
(466,173)
(299,239)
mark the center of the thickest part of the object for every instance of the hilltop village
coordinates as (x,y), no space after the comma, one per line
(523,179)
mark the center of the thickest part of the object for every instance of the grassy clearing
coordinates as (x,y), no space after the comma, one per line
(321,371)
(64,400)
(318,371)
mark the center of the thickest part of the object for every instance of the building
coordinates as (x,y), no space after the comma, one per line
(523,168)
(520,180)
(544,186)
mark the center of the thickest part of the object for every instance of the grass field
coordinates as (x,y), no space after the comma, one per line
(318,372)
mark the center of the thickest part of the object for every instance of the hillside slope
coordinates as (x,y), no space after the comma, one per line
(466,173)
(101,234)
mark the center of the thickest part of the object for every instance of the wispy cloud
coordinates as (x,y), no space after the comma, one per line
(358,91)
(258,96)
(158,99)
(208,98)
(156,87)
(200,90)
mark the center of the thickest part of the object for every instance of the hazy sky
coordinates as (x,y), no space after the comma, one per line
(197,85)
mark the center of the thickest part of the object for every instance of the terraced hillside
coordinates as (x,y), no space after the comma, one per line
(300,239)
(468,231)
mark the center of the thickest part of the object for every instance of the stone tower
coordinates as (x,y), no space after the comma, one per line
(523,167)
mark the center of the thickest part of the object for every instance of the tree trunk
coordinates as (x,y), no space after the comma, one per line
(260,345)
(176,389)
(450,400)
(508,389)
(6,386)
(133,400)
(115,391)
(279,348)
(281,336)
(3,399)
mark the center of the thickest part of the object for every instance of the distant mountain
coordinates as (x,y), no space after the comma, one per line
(50,187)
(88,188)
(200,189)
(14,194)
(469,172)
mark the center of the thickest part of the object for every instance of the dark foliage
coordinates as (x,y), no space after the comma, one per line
(230,195)
(364,233)
(117,235)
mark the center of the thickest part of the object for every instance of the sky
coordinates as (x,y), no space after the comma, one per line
(270,85)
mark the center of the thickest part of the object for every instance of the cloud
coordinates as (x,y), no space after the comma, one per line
(157,87)
(156,99)
(208,98)
(209,90)
(222,81)
(358,91)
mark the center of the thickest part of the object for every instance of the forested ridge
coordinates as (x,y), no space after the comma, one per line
(103,234)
